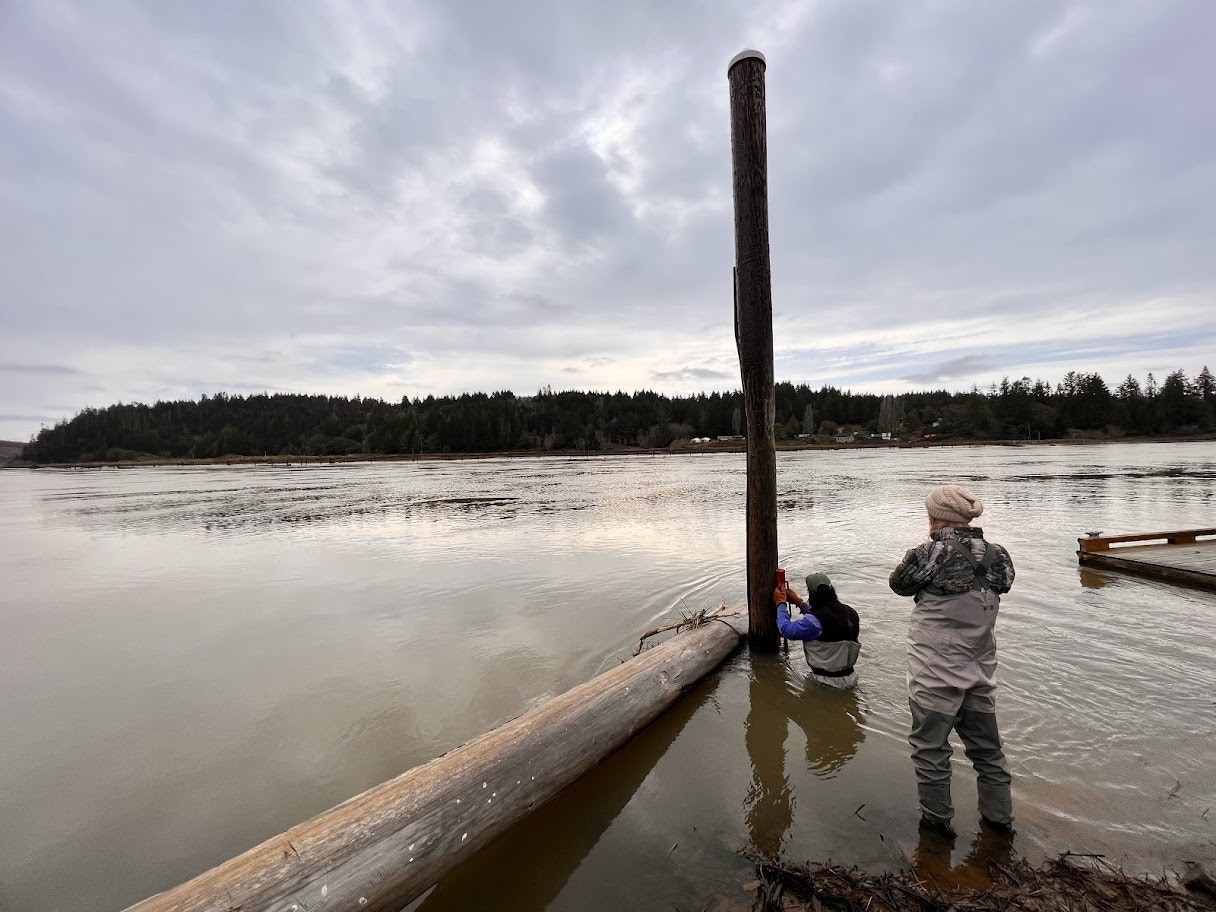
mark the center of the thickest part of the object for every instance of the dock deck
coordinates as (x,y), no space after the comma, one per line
(1187,557)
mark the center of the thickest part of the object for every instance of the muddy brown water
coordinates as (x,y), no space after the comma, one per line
(194,659)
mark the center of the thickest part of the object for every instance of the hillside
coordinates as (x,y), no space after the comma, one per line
(10,450)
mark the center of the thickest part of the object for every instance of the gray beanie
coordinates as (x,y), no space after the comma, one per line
(953,503)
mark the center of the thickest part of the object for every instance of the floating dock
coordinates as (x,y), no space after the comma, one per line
(1187,557)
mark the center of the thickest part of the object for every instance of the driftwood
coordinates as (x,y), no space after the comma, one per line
(382,849)
(509,865)
(688,620)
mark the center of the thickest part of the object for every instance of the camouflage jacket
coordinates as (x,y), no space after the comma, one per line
(935,563)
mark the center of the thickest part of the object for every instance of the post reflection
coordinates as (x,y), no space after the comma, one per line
(832,722)
(770,805)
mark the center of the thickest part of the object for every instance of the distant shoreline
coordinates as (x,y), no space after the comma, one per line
(715,447)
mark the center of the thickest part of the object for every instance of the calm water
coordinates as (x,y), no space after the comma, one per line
(192,660)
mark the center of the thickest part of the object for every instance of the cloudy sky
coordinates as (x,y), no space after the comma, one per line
(436,196)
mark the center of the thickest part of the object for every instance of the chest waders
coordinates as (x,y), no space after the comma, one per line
(952,686)
(831,660)
(951,645)
(979,566)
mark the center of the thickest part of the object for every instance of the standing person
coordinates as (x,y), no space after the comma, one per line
(956,579)
(828,630)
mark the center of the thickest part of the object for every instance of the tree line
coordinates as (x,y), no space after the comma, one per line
(1082,404)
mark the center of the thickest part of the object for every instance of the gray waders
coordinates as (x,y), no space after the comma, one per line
(952,686)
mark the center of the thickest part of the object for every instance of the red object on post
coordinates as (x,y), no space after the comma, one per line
(780,578)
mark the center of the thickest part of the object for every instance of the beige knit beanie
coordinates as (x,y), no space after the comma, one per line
(953,503)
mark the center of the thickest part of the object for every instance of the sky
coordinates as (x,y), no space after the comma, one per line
(441,196)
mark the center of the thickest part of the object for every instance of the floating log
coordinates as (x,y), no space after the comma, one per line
(754,336)
(1187,557)
(382,849)
(510,861)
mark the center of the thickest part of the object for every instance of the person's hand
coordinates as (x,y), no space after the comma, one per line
(779,595)
(793,596)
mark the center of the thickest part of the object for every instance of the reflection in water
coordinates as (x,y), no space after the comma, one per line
(172,640)
(527,867)
(830,719)
(989,852)
(770,808)
(1091,579)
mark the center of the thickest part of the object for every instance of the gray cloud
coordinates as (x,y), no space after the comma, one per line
(697,374)
(37,369)
(581,202)
(538,303)
(466,195)
(954,370)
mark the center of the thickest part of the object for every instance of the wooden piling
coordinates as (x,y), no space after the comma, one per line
(380,850)
(754,337)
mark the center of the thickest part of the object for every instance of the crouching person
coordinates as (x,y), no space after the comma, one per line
(828,629)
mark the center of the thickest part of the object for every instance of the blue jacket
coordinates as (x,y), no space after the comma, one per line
(806,627)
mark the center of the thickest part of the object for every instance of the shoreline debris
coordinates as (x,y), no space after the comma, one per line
(1075,882)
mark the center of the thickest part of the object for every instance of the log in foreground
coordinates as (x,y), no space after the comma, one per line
(387,846)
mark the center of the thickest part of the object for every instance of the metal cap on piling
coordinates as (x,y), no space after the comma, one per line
(746,54)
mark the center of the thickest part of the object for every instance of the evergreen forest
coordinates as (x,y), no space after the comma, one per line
(1081,405)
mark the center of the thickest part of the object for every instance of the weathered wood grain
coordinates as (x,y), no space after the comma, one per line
(1187,557)
(535,859)
(383,848)
(754,336)
(1181,537)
